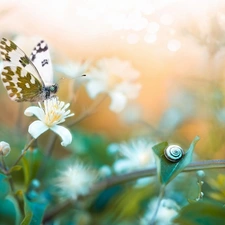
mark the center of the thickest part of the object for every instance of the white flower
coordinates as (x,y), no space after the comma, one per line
(116,78)
(137,154)
(4,148)
(53,113)
(105,171)
(75,180)
(73,69)
(168,209)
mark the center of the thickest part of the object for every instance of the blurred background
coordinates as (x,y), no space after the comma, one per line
(177,48)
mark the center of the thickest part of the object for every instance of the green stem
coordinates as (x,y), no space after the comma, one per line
(59,208)
(3,163)
(50,145)
(161,194)
(5,171)
(49,150)
(24,151)
(206,164)
(19,117)
(11,184)
(199,165)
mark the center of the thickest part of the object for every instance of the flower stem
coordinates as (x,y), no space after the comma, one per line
(115,180)
(24,151)
(19,117)
(50,145)
(3,163)
(161,194)
(90,110)
(5,171)
(49,150)
(59,208)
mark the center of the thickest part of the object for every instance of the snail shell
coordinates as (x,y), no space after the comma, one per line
(173,153)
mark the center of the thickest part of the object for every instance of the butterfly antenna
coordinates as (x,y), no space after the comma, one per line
(83,75)
(70,78)
(61,79)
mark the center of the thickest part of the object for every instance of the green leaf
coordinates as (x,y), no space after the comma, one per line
(201,213)
(34,212)
(4,186)
(16,208)
(9,211)
(31,163)
(15,168)
(168,170)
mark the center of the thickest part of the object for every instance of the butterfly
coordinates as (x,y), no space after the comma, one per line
(27,79)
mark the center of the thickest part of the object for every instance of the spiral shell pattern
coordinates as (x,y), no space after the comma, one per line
(173,153)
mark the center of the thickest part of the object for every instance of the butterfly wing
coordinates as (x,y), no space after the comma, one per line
(41,58)
(12,55)
(21,85)
(19,76)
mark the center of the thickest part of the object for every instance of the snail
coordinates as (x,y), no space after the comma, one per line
(173,153)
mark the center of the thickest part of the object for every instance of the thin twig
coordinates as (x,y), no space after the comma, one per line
(88,112)
(6,172)
(59,208)
(3,162)
(24,151)
(19,117)
(50,145)
(161,194)
(49,150)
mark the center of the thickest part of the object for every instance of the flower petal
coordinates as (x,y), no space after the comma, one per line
(131,90)
(118,102)
(123,166)
(35,110)
(64,133)
(94,87)
(37,128)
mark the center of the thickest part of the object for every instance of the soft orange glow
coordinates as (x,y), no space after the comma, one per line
(174,45)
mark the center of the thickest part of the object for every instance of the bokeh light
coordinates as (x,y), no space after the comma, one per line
(131,70)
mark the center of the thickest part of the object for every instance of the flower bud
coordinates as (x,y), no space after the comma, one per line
(4,148)
(200,174)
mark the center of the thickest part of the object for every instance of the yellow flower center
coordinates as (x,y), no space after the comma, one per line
(52,117)
(55,112)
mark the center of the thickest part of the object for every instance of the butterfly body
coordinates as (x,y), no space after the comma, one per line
(27,79)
